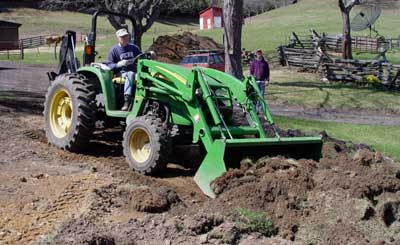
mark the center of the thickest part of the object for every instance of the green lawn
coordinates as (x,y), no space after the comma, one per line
(266,31)
(271,29)
(39,22)
(381,138)
(306,89)
(393,56)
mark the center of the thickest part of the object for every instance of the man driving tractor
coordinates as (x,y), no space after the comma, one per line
(120,61)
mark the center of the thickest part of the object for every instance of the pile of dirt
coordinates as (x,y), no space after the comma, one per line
(50,196)
(350,196)
(172,49)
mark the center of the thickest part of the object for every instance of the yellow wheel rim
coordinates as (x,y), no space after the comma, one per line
(61,113)
(139,145)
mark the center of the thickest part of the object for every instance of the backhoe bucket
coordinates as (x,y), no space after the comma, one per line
(231,152)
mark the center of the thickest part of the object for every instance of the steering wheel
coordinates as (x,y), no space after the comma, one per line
(148,55)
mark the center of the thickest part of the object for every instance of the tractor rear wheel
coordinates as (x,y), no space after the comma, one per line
(146,145)
(70,112)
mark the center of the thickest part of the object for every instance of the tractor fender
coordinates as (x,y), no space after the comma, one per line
(104,79)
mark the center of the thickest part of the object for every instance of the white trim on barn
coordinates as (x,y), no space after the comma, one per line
(201,23)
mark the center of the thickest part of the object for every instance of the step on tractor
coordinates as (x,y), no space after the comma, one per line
(198,106)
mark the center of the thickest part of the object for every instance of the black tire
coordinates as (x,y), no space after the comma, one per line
(146,131)
(80,114)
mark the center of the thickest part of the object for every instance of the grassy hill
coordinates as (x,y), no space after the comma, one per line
(40,22)
(266,31)
(269,30)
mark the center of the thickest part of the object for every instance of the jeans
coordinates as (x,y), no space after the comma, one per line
(129,77)
(261,86)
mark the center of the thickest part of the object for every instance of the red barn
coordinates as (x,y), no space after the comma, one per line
(211,18)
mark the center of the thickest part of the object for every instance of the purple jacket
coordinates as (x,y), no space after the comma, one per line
(260,69)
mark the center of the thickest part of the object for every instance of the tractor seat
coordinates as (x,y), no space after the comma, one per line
(119,80)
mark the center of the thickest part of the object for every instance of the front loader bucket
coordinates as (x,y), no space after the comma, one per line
(231,152)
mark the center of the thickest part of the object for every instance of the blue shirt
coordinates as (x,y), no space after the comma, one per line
(118,53)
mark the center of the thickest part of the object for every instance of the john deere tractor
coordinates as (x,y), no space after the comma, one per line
(169,100)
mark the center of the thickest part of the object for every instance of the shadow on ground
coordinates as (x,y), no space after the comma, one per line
(22,101)
(109,144)
(321,86)
(7,68)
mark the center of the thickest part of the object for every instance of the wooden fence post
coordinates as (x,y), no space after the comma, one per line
(22,52)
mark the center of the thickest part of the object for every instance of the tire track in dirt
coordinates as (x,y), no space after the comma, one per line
(70,202)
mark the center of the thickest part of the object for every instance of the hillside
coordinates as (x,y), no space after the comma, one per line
(40,22)
(269,30)
(265,31)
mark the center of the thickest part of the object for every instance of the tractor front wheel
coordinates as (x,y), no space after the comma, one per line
(69,112)
(146,146)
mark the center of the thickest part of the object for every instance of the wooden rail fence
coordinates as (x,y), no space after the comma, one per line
(309,53)
(363,71)
(334,43)
(32,42)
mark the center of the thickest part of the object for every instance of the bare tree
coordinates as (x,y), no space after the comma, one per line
(252,7)
(85,6)
(233,19)
(345,7)
(213,3)
(145,12)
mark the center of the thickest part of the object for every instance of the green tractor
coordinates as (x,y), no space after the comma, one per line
(197,106)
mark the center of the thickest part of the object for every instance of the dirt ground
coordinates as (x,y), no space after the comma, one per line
(49,196)
(172,49)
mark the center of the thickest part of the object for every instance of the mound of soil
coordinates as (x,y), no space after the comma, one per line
(50,196)
(345,198)
(172,49)
(350,196)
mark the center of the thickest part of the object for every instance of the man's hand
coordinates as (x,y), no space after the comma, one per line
(130,62)
(122,63)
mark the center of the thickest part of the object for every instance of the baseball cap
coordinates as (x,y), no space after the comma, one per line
(122,32)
